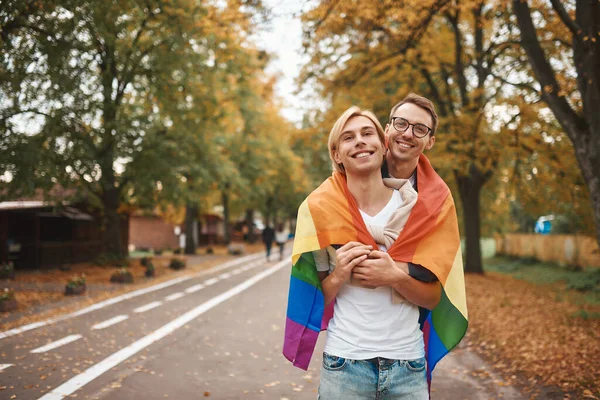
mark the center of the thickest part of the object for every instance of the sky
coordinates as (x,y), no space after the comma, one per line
(284,41)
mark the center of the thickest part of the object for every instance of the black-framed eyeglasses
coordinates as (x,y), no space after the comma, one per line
(401,125)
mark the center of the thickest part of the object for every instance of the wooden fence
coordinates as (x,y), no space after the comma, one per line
(574,250)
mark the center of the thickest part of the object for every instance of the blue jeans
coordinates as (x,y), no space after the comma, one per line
(377,378)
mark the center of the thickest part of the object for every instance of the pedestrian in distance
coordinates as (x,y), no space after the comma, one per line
(281,236)
(268,235)
(371,263)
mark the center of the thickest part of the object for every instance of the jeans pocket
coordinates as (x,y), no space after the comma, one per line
(417,365)
(333,363)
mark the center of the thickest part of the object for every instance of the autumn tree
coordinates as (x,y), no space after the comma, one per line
(562,42)
(271,176)
(81,83)
(206,109)
(377,52)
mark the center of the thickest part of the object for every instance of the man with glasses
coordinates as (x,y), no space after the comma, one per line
(410,131)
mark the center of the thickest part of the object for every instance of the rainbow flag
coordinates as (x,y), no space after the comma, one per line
(330,216)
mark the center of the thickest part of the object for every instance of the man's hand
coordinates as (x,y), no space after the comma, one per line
(348,256)
(378,270)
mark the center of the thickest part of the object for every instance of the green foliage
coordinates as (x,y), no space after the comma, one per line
(123,271)
(586,315)
(149,266)
(122,275)
(111,259)
(7,295)
(123,96)
(583,280)
(7,270)
(76,281)
(177,264)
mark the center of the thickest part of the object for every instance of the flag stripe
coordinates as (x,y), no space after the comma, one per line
(435,348)
(305,270)
(446,316)
(298,346)
(455,285)
(306,234)
(307,309)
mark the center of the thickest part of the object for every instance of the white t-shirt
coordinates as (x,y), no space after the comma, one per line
(281,237)
(365,323)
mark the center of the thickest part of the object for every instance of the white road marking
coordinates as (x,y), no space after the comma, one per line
(226,275)
(211,282)
(174,296)
(58,343)
(194,288)
(4,366)
(237,271)
(110,322)
(78,381)
(126,296)
(147,307)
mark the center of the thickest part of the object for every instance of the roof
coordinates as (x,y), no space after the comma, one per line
(18,205)
(68,212)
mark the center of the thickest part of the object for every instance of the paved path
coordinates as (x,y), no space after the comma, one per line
(91,290)
(217,335)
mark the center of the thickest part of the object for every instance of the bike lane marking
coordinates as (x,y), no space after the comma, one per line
(78,381)
(126,296)
(57,343)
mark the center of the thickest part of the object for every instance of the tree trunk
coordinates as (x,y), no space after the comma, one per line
(225,201)
(111,234)
(469,188)
(250,225)
(111,190)
(191,215)
(589,162)
(271,212)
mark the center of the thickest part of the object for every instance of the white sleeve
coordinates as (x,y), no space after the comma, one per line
(325,259)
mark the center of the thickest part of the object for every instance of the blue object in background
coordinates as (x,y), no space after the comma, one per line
(543,226)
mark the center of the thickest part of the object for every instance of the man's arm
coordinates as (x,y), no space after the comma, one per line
(423,294)
(381,270)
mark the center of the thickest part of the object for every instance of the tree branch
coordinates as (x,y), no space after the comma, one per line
(459,68)
(519,85)
(567,117)
(566,19)
(410,42)
(435,93)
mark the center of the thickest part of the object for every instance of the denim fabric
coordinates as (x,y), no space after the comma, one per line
(377,378)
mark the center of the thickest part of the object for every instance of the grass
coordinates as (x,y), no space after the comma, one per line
(579,286)
(140,254)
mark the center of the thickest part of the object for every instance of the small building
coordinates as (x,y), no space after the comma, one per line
(153,232)
(212,230)
(40,235)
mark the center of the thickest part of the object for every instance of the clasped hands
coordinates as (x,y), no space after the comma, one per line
(370,267)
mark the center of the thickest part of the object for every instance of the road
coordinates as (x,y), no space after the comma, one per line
(216,335)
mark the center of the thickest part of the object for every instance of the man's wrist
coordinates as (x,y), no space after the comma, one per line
(400,275)
(336,282)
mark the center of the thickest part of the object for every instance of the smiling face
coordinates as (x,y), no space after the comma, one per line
(359,149)
(404,146)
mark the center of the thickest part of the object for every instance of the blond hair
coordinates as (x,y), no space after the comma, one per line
(336,132)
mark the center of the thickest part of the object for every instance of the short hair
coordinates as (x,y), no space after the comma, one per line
(336,132)
(422,102)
